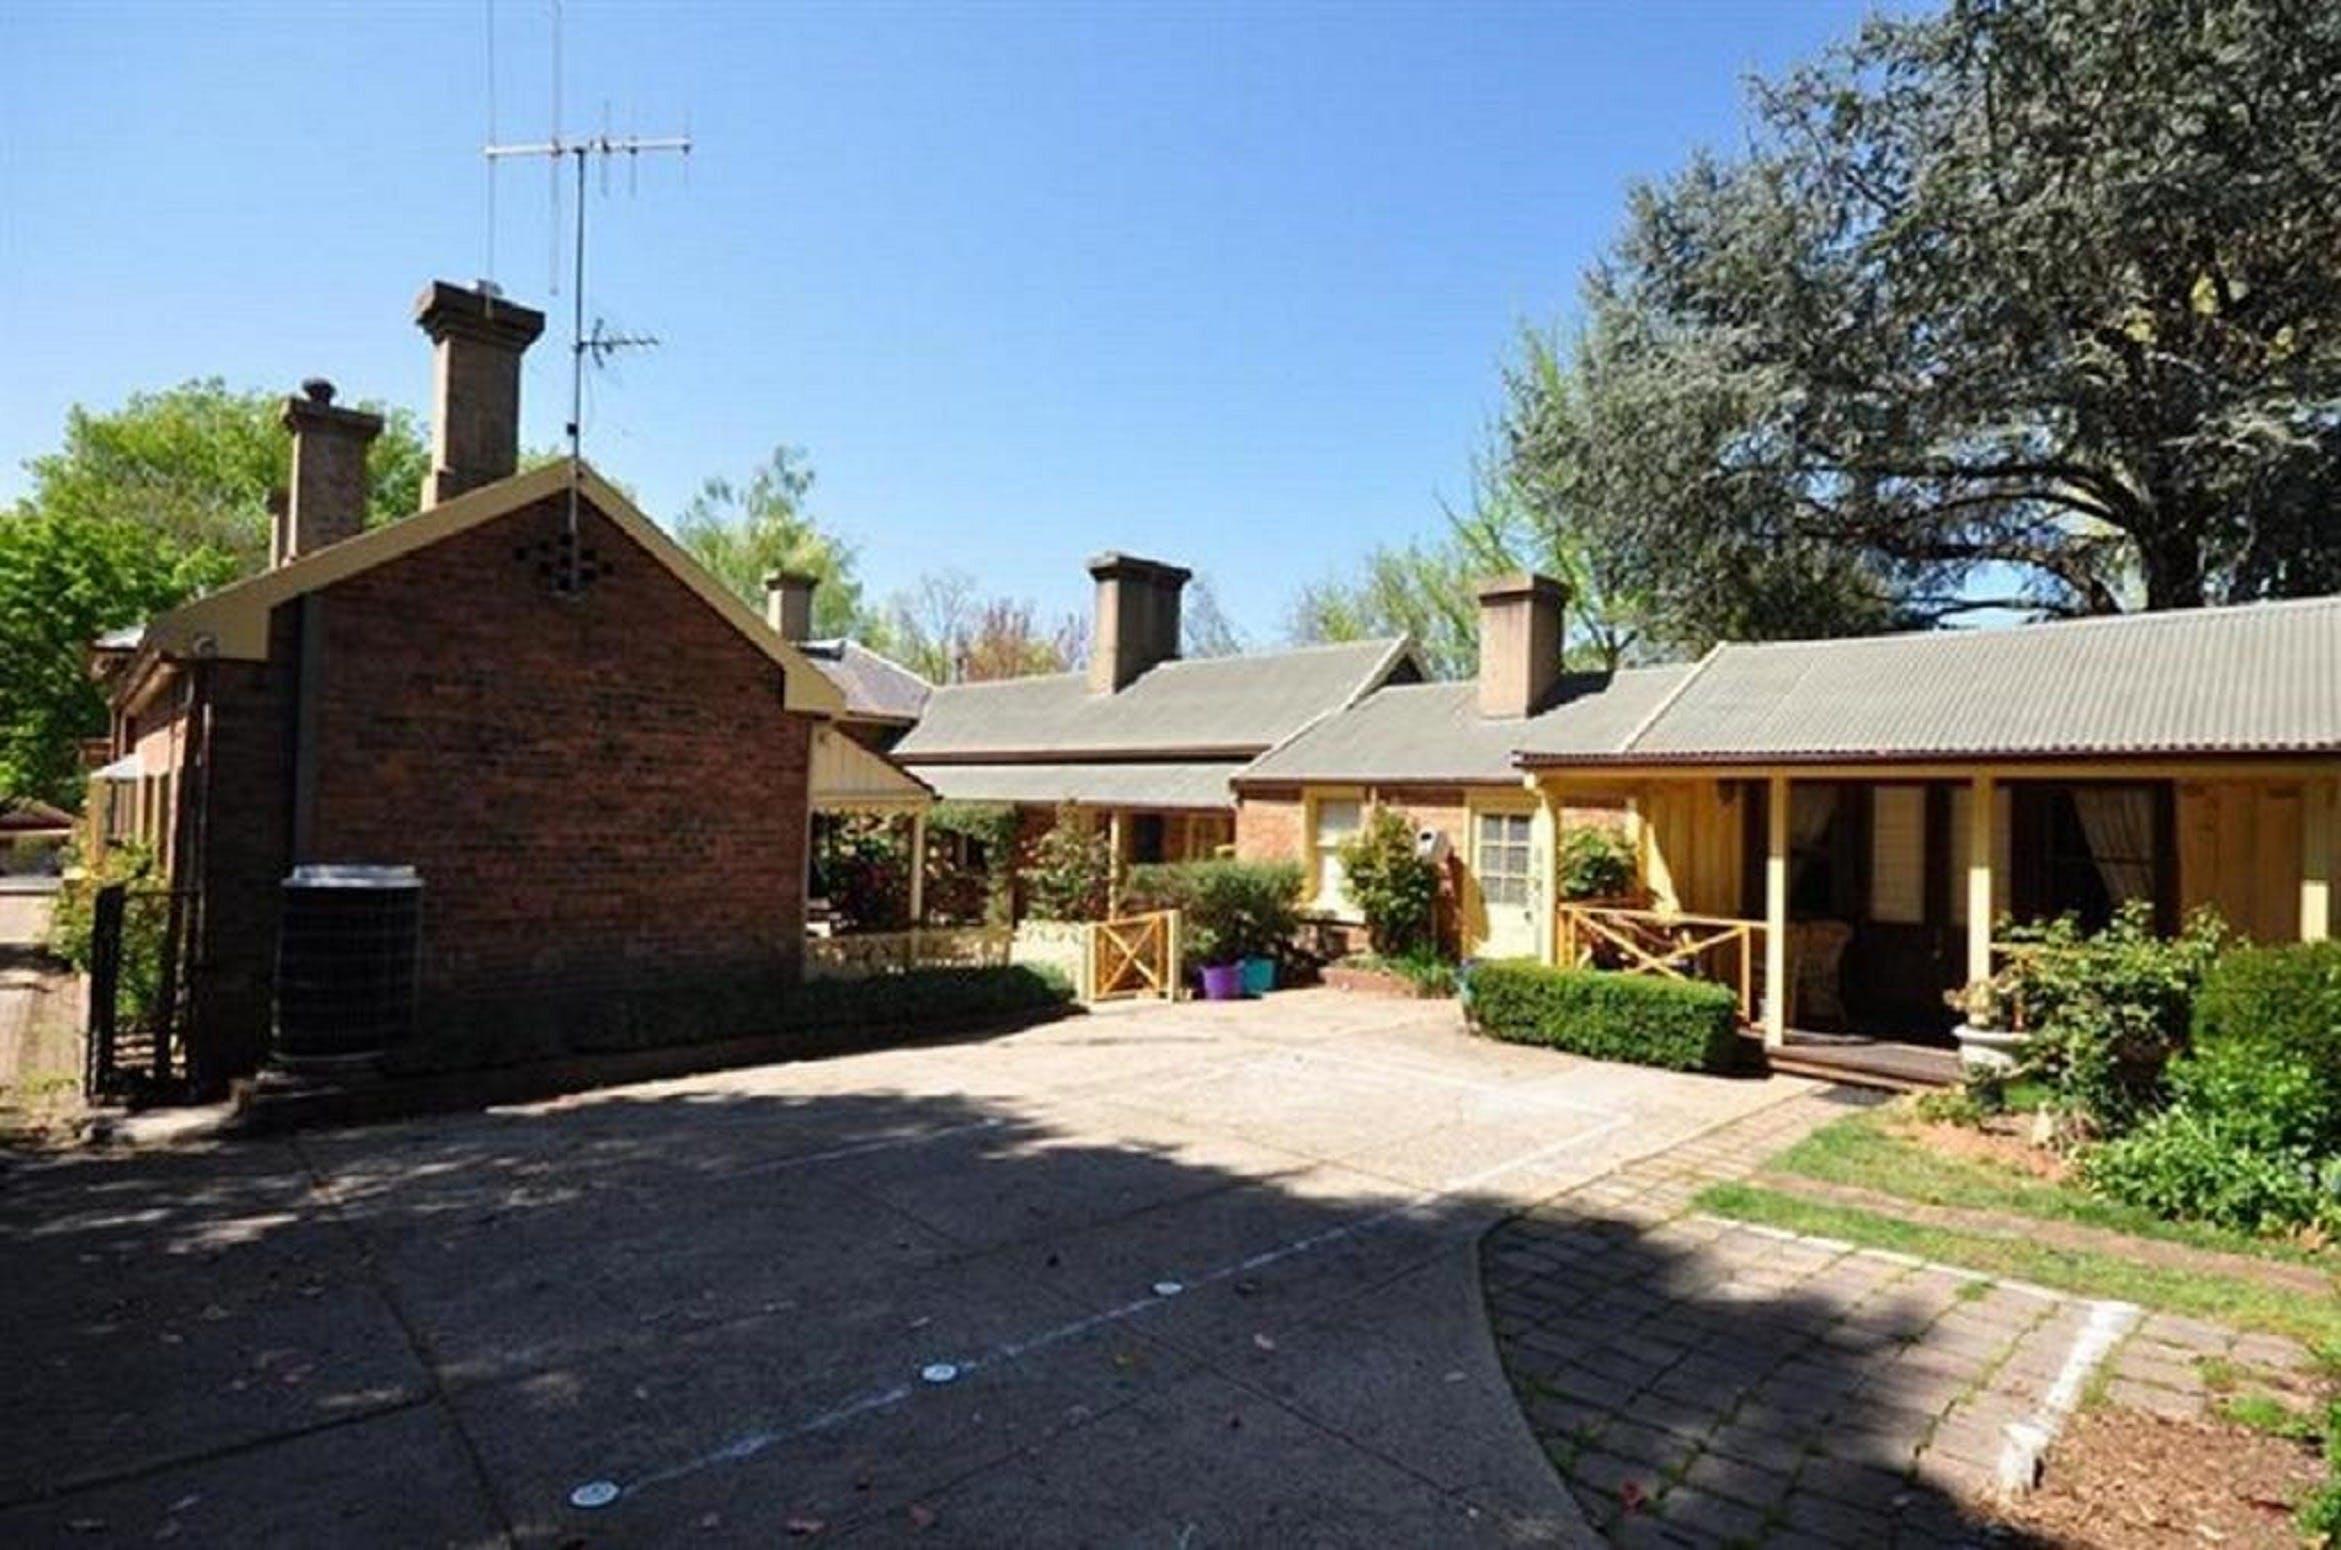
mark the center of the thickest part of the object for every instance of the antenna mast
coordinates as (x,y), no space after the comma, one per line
(595,346)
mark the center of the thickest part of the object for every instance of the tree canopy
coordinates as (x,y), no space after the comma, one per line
(2028,303)
(743,532)
(140,508)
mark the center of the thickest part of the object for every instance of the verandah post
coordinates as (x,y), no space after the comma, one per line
(1776,913)
(1982,813)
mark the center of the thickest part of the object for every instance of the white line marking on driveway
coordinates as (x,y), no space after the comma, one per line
(750,1444)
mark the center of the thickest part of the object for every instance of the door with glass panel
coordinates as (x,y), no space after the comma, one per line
(1506,878)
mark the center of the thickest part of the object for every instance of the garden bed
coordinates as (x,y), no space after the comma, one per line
(1374,980)
(2124,1480)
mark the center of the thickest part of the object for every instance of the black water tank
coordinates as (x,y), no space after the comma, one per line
(347,959)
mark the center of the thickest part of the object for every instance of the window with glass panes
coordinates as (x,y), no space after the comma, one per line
(1500,857)
(1338,818)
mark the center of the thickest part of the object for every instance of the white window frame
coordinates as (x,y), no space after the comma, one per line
(1334,900)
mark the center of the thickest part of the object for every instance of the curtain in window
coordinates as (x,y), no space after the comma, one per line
(1810,808)
(2119,824)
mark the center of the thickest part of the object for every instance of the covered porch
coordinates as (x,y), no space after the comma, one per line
(1843,903)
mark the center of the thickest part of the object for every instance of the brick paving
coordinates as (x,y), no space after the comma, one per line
(1704,1382)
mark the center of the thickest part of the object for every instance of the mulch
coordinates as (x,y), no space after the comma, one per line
(2124,1480)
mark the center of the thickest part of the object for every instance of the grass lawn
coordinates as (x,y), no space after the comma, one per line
(1863,1151)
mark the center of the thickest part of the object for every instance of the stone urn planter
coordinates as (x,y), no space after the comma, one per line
(1988,1051)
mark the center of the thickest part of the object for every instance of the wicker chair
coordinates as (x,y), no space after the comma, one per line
(1818,947)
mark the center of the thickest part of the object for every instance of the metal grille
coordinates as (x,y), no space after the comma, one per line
(347,963)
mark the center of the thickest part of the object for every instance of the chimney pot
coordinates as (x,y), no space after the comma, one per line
(788,604)
(327,502)
(1136,625)
(477,340)
(1521,623)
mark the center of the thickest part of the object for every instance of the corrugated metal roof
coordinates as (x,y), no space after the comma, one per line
(1137,783)
(1220,704)
(875,687)
(2258,678)
(1434,732)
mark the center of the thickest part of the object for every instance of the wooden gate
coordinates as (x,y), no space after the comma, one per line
(1136,956)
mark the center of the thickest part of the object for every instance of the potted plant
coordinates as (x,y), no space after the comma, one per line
(1988,1046)
(1266,913)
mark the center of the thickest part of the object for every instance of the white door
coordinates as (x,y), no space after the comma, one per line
(1507,883)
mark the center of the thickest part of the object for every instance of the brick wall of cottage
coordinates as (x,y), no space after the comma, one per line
(604,794)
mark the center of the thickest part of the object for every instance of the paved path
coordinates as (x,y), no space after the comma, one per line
(1703,1382)
(1203,1275)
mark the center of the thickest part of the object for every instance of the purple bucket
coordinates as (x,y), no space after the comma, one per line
(1223,982)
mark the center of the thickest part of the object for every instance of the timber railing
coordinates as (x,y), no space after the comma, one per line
(862,954)
(1721,948)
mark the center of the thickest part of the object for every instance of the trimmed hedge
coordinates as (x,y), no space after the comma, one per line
(815,1017)
(1677,1024)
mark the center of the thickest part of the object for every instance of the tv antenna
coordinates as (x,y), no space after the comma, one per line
(594,346)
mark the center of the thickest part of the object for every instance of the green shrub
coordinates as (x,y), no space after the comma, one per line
(1681,1025)
(925,996)
(1072,871)
(1391,884)
(1230,909)
(1595,864)
(2107,1012)
(2195,1165)
(145,921)
(2267,1041)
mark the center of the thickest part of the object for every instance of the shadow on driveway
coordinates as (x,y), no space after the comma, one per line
(728,1303)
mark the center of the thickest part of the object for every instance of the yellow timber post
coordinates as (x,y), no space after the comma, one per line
(1776,913)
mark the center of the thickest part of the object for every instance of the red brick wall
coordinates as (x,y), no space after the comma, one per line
(1269,825)
(603,794)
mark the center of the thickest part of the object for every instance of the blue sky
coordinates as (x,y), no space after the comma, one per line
(1229,285)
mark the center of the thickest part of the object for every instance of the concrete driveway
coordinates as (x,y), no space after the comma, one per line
(1176,1276)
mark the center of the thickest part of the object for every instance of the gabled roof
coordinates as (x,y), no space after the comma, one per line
(233,621)
(1224,707)
(1434,732)
(876,687)
(2259,678)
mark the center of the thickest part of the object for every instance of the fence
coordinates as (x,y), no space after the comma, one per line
(861,955)
(137,997)
(1714,947)
(1107,959)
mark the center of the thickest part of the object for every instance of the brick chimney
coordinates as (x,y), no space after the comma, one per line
(1137,620)
(477,340)
(1521,619)
(788,604)
(327,502)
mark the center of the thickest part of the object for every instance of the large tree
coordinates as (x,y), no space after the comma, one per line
(1430,589)
(946,631)
(138,509)
(2030,303)
(743,532)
